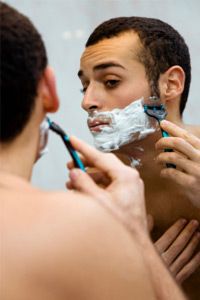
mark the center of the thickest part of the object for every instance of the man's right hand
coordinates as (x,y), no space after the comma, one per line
(186,157)
(124,193)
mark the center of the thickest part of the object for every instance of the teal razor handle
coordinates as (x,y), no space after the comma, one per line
(165,134)
(159,113)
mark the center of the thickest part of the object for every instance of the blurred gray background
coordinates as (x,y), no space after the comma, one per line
(65,26)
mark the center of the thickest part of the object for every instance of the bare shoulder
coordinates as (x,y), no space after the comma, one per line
(70,241)
(101,257)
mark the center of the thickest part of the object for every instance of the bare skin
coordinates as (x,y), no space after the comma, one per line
(88,244)
(72,245)
(51,248)
(107,87)
(125,207)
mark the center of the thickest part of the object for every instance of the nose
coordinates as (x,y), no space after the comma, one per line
(92,99)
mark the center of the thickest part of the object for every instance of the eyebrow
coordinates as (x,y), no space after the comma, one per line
(101,67)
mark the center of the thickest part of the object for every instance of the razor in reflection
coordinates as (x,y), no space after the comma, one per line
(153,108)
(57,129)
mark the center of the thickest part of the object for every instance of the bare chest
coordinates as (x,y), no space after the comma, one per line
(166,205)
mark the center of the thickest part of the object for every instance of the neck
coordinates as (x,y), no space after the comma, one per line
(17,157)
(142,152)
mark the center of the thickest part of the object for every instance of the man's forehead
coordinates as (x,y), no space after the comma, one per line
(122,47)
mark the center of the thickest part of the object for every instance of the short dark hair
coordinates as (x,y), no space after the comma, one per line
(162,47)
(23,60)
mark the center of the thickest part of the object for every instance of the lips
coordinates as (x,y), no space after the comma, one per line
(96,125)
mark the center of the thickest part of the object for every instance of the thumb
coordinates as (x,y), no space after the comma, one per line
(82,182)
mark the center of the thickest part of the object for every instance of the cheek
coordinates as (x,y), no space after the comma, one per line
(129,94)
(139,88)
(126,93)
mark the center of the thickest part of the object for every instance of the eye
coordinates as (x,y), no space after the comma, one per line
(112,83)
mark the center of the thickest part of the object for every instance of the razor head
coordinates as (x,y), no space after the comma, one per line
(152,100)
(156,111)
(56,128)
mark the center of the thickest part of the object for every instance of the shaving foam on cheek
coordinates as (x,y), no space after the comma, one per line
(126,125)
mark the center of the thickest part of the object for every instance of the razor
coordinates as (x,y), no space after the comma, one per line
(66,140)
(158,111)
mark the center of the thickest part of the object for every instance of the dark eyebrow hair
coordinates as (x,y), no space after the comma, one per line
(107,65)
(102,67)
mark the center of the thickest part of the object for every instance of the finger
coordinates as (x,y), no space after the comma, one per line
(82,182)
(69,185)
(105,162)
(98,177)
(186,255)
(189,269)
(170,235)
(177,131)
(181,241)
(71,165)
(180,145)
(189,166)
(178,176)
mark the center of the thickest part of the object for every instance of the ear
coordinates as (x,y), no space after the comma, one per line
(171,84)
(47,91)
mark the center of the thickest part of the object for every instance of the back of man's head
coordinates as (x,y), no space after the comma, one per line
(23,60)
(161,47)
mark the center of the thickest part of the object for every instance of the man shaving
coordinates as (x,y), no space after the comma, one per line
(128,61)
(64,245)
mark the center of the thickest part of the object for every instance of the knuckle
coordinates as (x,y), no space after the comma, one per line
(177,141)
(186,135)
(173,157)
(161,142)
(167,157)
(168,172)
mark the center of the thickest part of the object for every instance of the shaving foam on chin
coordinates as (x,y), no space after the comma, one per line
(126,125)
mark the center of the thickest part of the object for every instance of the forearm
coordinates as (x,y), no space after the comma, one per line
(163,284)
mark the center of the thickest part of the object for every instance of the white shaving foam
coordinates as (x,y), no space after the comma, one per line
(127,125)
(134,163)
